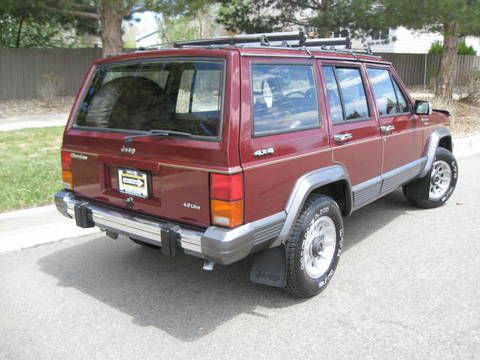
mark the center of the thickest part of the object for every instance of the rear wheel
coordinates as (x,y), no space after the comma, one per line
(435,188)
(314,246)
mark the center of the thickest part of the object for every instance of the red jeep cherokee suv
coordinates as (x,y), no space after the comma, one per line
(223,148)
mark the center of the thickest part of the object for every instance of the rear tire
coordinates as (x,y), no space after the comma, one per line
(435,188)
(314,246)
(142,243)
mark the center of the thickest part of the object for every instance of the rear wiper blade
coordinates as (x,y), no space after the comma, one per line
(129,139)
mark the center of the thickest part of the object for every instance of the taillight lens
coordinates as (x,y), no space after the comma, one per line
(226,199)
(226,187)
(67,170)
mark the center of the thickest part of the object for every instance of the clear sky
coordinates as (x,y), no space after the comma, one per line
(145,26)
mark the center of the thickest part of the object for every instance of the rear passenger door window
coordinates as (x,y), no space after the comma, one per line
(284,98)
(355,136)
(346,94)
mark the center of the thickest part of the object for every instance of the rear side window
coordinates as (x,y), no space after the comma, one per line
(388,97)
(284,98)
(346,92)
(173,95)
(336,109)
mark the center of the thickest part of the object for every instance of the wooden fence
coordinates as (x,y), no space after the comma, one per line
(420,69)
(23,71)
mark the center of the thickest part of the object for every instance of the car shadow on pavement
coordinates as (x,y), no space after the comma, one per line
(175,294)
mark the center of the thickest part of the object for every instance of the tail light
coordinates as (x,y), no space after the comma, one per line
(67,170)
(226,200)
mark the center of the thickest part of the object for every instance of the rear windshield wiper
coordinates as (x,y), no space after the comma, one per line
(129,139)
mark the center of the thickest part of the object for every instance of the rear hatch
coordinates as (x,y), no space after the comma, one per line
(146,133)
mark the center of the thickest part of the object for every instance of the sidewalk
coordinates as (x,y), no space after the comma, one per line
(26,228)
(33,121)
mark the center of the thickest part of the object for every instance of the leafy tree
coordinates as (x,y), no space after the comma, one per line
(321,16)
(22,24)
(110,13)
(452,18)
(189,26)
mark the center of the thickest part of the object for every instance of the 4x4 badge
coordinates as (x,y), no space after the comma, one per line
(127,149)
(262,152)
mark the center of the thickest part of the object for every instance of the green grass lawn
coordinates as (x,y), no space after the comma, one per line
(30,171)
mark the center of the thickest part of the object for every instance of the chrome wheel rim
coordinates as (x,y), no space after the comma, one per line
(319,246)
(440,179)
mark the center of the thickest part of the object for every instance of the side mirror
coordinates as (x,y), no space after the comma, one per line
(422,107)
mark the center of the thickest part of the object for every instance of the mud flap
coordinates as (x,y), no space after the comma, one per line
(269,267)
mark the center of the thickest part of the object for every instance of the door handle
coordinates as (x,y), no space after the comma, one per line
(342,137)
(387,128)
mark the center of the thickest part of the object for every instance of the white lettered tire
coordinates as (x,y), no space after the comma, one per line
(314,246)
(434,189)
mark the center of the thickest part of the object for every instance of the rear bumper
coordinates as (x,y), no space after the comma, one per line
(223,246)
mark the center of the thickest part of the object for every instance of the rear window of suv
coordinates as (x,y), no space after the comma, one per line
(176,95)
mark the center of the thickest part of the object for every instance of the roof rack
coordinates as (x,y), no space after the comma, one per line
(291,40)
(267,38)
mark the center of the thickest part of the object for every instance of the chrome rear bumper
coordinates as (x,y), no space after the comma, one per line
(129,224)
(223,246)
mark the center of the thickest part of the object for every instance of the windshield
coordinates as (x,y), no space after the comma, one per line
(175,95)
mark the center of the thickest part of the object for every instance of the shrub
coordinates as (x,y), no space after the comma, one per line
(436,48)
(463,49)
(473,89)
(50,86)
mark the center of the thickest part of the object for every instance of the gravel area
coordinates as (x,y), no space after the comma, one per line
(24,107)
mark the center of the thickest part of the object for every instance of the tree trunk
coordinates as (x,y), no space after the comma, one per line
(449,62)
(111,15)
(19,32)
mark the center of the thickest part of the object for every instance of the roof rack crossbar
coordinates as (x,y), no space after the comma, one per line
(264,39)
(325,42)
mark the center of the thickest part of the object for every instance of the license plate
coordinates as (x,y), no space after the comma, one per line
(133,182)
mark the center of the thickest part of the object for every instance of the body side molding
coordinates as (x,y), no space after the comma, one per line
(302,189)
(431,147)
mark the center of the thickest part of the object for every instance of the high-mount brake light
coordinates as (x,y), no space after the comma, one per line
(226,200)
(67,170)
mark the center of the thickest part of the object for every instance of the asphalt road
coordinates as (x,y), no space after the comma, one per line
(407,286)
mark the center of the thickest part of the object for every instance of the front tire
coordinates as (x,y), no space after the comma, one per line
(314,246)
(435,188)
